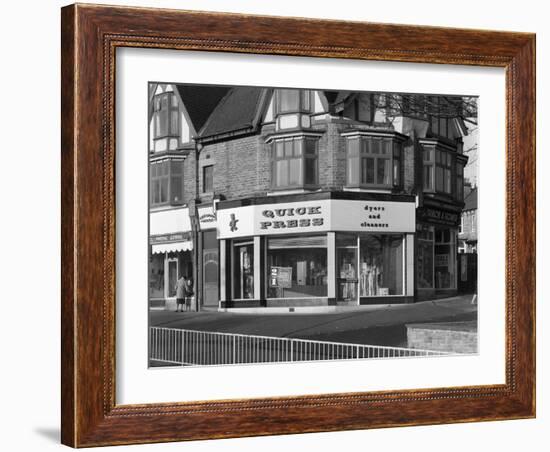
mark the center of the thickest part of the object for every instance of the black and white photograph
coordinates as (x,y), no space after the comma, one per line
(298,224)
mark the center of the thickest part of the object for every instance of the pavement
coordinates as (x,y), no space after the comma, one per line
(380,325)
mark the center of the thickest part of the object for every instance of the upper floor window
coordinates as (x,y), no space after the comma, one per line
(293,100)
(459,181)
(166,182)
(438,170)
(208,178)
(294,162)
(373,162)
(165,115)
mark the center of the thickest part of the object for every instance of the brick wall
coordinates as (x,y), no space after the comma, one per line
(430,337)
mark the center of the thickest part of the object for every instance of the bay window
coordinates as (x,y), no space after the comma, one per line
(166,182)
(441,172)
(294,162)
(373,162)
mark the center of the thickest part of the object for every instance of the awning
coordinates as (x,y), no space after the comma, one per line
(160,248)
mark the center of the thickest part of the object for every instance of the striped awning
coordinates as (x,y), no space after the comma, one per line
(160,248)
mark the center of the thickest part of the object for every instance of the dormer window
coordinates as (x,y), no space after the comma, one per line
(293,100)
(165,115)
(373,161)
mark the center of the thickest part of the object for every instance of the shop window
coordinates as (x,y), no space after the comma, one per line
(293,100)
(381,265)
(297,267)
(373,162)
(425,258)
(208,178)
(156,276)
(445,258)
(166,182)
(346,259)
(243,270)
(294,162)
(165,115)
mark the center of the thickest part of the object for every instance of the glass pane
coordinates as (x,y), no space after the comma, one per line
(381,265)
(288,148)
(298,147)
(383,171)
(425,263)
(305,99)
(311,171)
(347,273)
(396,172)
(174,122)
(176,188)
(176,167)
(172,277)
(311,147)
(156,276)
(288,100)
(297,272)
(368,170)
(295,175)
(279,149)
(439,178)
(375,146)
(282,173)
(386,147)
(164,190)
(243,271)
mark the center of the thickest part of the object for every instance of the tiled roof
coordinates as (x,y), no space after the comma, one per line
(236,111)
(200,101)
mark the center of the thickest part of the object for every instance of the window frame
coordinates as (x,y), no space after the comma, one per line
(211,178)
(365,151)
(167,177)
(442,164)
(160,114)
(303,105)
(303,156)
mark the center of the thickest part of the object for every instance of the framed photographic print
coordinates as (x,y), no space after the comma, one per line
(281,225)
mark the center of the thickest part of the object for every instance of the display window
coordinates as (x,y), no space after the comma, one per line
(381,265)
(156,276)
(297,267)
(425,258)
(445,258)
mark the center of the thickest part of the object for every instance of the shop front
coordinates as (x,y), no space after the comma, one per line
(437,233)
(170,255)
(314,250)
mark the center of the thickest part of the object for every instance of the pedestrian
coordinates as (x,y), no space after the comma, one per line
(180,293)
(189,293)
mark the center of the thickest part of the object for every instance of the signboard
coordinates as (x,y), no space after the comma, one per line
(179,237)
(169,221)
(281,277)
(317,216)
(207,217)
(439,216)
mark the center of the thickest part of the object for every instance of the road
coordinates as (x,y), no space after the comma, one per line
(373,325)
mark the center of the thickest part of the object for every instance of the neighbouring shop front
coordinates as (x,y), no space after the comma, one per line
(170,256)
(319,249)
(436,266)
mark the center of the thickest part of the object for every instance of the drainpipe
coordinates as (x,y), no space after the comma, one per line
(195,228)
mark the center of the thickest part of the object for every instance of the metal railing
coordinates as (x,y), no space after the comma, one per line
(205,348)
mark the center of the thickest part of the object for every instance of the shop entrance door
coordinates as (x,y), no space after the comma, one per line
(171,277)
(210,277)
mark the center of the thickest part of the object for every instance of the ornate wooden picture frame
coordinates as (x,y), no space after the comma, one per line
(90,37)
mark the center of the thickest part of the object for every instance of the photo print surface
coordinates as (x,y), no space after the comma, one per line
(295,224)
